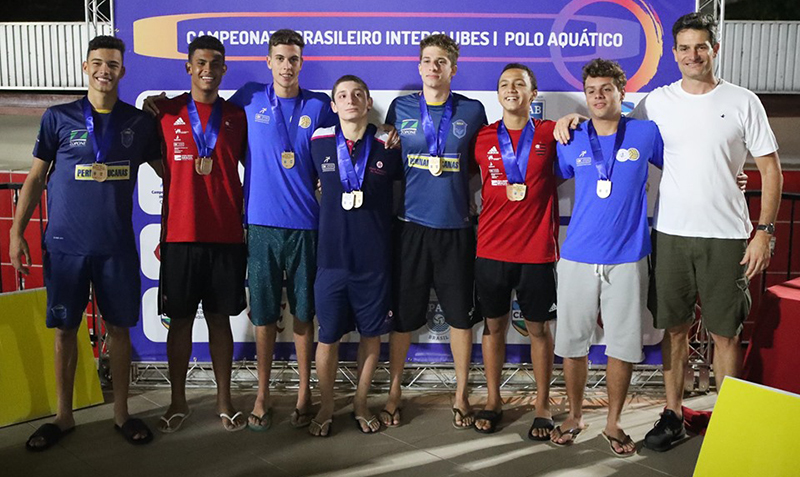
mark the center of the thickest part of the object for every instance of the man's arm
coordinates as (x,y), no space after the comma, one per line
(26,205)
(757,255)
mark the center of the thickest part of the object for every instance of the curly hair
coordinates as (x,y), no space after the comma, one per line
(600,68)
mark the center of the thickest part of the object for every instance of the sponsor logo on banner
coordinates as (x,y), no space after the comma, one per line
(450,162)
(78,137)
(537,109)
(127,137)
(408,127)
(438,329)
(517,320)
(459,128)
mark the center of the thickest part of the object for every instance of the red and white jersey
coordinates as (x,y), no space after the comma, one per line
(201,208)
(525,231)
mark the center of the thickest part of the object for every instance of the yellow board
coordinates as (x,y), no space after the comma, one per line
(753,431)
(27,369)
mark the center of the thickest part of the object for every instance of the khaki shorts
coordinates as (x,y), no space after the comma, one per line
(685,267)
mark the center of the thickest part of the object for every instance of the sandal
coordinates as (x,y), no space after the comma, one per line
(232,419)
(168,428)
(622,443)
(264,421)
(458,415)
(319,427)
(299,420)
(132,427)
(51,434)
(393,416)
(368,422)
(541,423)
(573,431)
(493,417)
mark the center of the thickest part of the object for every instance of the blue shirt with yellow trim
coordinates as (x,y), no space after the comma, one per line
(438,202)
(86,217)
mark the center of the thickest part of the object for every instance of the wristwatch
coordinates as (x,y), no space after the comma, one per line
(768,228)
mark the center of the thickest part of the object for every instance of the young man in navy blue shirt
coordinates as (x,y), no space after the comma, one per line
(352,288)
(88,153)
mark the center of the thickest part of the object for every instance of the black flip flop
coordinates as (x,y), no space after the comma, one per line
(51,434)
(541,423)
(132,427)
(493,417)
(392,416)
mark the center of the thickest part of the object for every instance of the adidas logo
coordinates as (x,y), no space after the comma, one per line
(552,308)
(493,150)
(179,122)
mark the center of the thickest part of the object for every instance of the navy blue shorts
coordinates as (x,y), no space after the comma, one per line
(348,301)
(116,283)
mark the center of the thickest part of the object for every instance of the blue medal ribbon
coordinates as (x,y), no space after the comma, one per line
(352,176)
(206,139)
(604,168)
(516,165)
(436,141)
(102,147)
(286,134)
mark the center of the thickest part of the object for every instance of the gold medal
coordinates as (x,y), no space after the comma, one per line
(435,165)
(348,200)
(358,198)
(603,188)
(287,159)
(516,192)
(99,172)
(203,165)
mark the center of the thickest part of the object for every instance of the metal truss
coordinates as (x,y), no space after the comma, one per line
(417,376)
(97,21)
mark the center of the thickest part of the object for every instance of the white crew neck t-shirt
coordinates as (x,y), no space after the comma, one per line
(706,141)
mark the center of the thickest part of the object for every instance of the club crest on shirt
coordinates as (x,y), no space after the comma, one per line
(408,127)
(262,116)
(127,137)
(78,137)
(305,121)
(631,154)
(459,128)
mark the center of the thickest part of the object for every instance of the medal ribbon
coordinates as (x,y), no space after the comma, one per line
(286,135)
(102,147)
(436,142)
(352,176)
(604,168)
(516,165)
(206,139)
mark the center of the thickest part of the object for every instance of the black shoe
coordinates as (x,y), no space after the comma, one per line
(668,430)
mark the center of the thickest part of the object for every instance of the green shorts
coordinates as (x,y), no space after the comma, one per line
(270,252)
(685,267)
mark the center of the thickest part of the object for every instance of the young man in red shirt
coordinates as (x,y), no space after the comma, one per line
(203,255)
(517,240)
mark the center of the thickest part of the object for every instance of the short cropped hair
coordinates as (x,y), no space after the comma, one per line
(696,21)
(442,41)
(286,37)
(520,66)
(206,42)
(106,42)
(600,68)
(346,78)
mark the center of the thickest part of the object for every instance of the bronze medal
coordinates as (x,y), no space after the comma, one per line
(516,192)
(287,159)
(203,165)
(99,172)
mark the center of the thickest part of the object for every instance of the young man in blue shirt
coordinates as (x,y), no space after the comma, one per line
(603,267)
(88,153)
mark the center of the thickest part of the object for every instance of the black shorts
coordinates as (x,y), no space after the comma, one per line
(208,272)
(535,284)
(442,258)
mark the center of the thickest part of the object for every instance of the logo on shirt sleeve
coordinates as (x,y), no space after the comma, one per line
(460,128)
(408,127)
(328,165)
(78,137)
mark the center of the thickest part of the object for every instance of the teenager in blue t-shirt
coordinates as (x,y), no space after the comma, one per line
(435,243)
(92,149)
(603,266)
(352,289)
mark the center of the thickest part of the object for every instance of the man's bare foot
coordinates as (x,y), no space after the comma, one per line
(568,431)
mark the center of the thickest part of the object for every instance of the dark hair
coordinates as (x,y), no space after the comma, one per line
(286,37)
(442,41)
(353,78)
(600,68)
(520,66)
(106,42)
(206,42)
(695,21)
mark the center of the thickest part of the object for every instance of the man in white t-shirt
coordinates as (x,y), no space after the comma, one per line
(702,225)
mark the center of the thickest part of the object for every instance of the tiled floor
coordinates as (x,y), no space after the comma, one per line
(426,445)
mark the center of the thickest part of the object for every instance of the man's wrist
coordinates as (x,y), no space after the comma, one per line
(769,228)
